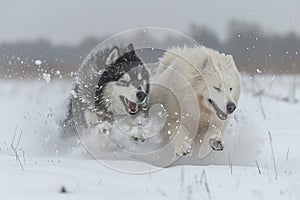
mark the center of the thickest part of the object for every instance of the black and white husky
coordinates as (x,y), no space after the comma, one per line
(112,83)
(122,90)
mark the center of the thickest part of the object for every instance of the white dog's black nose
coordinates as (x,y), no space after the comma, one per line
(140,95)
(230,107)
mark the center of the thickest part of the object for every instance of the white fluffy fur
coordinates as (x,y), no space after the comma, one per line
(189,75)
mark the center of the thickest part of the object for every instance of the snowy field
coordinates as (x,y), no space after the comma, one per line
(36,164)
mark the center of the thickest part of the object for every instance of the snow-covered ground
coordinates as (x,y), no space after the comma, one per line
(245,170)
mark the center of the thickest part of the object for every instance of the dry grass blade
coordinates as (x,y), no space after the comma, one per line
(258,168)
(230,165)
(273,156)
(15,148)
(262,108)
(182,177)
(203,179)
(287,154)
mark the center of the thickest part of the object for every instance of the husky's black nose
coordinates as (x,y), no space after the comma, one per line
(230,107)
(140,95)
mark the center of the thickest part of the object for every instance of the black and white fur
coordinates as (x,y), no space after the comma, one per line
(111,82)
(122,90)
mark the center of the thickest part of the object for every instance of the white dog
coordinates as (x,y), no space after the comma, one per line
(199,88)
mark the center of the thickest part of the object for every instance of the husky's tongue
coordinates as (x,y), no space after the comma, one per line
(133,107)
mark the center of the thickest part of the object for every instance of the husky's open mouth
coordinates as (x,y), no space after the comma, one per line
(219,112)
(132,107)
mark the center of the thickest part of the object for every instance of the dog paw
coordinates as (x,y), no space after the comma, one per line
(183,150)
(216,144)
(137,139)
(104,127)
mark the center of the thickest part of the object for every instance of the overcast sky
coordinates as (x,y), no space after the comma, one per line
(70,21)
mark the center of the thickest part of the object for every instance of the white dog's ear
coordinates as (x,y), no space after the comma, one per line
(207,62)
(112,56)
(229,59)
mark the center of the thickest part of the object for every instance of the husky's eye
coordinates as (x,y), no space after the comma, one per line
(218,89)
(230,89)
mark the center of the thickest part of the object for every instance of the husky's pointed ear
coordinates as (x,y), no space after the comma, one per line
(207,62)
(130,49)
(112,56)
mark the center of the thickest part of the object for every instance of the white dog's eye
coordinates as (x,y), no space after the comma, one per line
(216,88)
(230,89)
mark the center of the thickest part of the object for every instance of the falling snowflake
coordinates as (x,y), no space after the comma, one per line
(259,71)
(37,62)
(47,77)
(74,94)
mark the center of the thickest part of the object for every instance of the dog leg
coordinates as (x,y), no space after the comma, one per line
(216,144)
(183,149)
(137,139)
(104,127)
(182,142)
(212,141)
(91,118)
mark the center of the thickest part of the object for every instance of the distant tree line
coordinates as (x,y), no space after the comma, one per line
(253,50)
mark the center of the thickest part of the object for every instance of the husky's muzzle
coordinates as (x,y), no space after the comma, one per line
(133,107)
